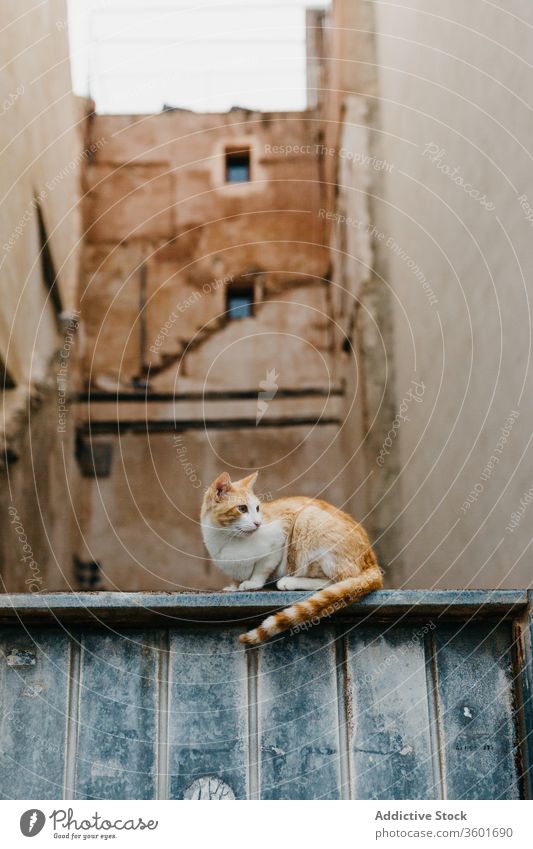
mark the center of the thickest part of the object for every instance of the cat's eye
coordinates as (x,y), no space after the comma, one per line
(258,508)
(242,508)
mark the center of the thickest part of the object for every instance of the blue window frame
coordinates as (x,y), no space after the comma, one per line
(240,302)
(238,165)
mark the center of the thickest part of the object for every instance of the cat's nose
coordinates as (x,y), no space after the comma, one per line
(257,523)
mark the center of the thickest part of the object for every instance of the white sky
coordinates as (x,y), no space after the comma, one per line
(207,55)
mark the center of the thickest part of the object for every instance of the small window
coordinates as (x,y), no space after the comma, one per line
(238,165)
(88,575)
(240,302)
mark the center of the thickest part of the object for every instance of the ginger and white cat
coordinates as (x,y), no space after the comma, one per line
(301,543)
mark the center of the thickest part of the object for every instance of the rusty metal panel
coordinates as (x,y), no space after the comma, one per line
(299,717)
(476,711)
(34,695)
(116,728)
(391,718)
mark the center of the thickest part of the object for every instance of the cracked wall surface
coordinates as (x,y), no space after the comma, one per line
(158,205)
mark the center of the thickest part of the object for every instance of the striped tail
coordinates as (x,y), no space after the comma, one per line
(323,603)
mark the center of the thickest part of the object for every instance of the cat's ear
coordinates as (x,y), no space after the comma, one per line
(250,480)
(222,485)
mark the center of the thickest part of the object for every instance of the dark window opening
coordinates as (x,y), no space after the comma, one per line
(6,381)
(240,302)
(238,166)
(47,263)
(88,574)
(94,458)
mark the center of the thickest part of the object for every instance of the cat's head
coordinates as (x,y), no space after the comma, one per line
(233,505)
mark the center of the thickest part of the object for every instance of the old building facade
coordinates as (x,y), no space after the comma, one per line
(205,246)
(337,296)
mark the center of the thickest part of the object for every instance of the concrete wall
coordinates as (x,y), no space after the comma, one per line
(364,307)
(356,171)
(39,503)
(42,142)
(455,94)
(42,153)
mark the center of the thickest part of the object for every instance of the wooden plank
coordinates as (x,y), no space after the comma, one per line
(34,681)
(207,715)
(391,741)
(298,717)
(156,608)
(475,687)
(117,746)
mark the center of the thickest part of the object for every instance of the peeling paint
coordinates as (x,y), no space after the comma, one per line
(31,691)
(275,750)
(21,657)
(99,769)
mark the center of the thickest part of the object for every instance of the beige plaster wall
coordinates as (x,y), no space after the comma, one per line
(456,104)
(42,152)
(142,521)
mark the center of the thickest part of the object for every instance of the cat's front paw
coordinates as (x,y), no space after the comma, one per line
(250,585)
(231,589)
(286,583)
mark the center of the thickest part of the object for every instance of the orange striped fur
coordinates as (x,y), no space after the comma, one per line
(323,603)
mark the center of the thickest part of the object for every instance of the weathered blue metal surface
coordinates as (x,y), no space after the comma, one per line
(406,695)
(116,722)
(33,714)
(391,740)
(475,686)
(207,710)
(103,606)
(298,717)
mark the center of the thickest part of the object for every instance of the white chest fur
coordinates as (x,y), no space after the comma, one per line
(237,555)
